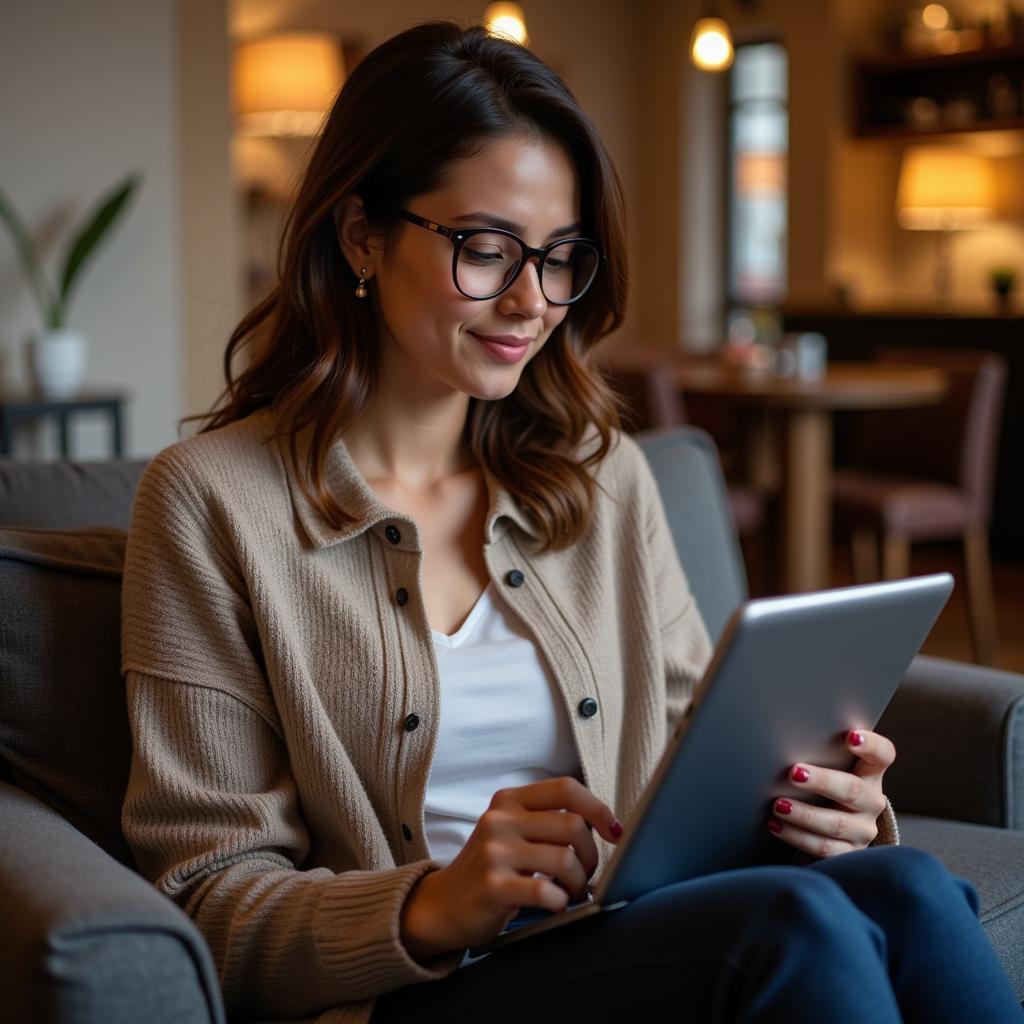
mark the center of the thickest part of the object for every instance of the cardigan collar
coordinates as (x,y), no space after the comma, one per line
(346,483)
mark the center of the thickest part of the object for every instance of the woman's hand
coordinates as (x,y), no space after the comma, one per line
(542,827)
(827,831)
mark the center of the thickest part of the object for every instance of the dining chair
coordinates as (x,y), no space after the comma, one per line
(654,402)
(926,474)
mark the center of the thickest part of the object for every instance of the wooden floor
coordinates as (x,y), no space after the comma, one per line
(951,638)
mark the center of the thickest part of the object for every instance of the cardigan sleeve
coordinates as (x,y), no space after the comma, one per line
(212,811)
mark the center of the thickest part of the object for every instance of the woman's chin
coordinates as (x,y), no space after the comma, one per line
(493,391)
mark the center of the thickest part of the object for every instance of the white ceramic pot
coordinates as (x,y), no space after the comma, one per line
(56,363)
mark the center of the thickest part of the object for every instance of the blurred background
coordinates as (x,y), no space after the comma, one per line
(849,170)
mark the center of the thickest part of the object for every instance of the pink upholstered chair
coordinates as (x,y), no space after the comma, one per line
(926,474)
(654,402)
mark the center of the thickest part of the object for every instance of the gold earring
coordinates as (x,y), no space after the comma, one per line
(361,287)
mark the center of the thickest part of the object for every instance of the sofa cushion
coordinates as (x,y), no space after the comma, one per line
(64,733)
(64,494)
(991,859)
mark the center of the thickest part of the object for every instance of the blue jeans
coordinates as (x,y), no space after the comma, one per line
(881,935)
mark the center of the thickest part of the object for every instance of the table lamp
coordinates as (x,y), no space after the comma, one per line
(944,190)
(284,84)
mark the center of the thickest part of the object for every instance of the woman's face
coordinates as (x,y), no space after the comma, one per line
(434,337)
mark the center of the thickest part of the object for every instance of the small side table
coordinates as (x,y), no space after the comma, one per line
(18,408)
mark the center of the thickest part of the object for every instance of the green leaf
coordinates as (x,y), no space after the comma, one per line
(29,261)
(107,211)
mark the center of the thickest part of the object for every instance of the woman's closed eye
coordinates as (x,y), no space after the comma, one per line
(481,257)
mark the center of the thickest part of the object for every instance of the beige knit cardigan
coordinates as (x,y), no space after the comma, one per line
(273,663)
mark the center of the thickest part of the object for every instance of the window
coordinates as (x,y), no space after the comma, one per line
(758,149)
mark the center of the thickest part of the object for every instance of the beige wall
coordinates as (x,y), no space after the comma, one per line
(210,203)
(95,98)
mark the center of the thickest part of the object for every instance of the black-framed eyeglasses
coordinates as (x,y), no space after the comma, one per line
(487,261)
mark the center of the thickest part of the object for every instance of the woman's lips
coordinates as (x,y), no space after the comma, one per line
(506,347)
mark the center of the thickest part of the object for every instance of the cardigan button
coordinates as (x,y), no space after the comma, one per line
(392,533)
(401,595)
(406,832)
(411,722)
(515,578)
(588,707)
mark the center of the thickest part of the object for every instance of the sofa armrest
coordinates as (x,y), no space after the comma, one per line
(86,939)
(959,735)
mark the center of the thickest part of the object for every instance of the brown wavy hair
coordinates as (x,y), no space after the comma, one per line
(422,100)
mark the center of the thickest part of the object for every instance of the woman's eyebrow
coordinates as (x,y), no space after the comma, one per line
(491,220)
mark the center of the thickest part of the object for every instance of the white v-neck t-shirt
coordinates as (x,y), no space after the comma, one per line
(502,722)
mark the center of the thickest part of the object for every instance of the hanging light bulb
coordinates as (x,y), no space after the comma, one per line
(711,45)
(506,20)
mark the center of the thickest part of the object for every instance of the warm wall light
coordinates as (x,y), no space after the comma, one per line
(711,45)
(944,190)
(284,84)
(507,20)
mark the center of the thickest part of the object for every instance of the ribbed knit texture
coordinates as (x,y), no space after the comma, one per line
(275,792)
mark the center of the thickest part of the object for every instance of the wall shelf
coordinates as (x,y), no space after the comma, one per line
(987,85)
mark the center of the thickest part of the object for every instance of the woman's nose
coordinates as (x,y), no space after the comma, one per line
(524,297)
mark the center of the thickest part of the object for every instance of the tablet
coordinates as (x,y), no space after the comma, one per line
(790,677)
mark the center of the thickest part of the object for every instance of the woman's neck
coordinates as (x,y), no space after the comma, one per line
(415,446)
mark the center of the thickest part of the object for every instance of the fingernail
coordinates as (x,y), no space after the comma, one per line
(783,807)
(801,774)
(616,828)
(774,826)
(856,739)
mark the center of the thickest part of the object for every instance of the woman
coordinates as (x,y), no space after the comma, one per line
(404,627)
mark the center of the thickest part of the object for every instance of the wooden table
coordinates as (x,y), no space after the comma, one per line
(15,409)
(789,437)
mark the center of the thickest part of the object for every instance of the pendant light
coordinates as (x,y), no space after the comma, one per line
(507,21)
(711,46)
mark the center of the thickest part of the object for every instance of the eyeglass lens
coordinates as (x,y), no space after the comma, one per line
(488,261)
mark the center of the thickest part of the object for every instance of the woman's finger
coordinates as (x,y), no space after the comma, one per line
(562,828)
(559,863)
(874,752)
(858,829)
(854,792)
(810,842)
(562,793)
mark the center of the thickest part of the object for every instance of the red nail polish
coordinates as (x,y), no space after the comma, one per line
(774,826)
(856,739)
(801,774)
(617,828)
(783,807)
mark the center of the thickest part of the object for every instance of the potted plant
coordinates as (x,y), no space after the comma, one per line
(1002,279)
(57,357)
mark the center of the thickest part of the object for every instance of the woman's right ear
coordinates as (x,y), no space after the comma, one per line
(353,232)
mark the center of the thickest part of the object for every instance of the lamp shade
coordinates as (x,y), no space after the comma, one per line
(944,189)
(284,84)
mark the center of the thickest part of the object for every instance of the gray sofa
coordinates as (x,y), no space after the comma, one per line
(86,939)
